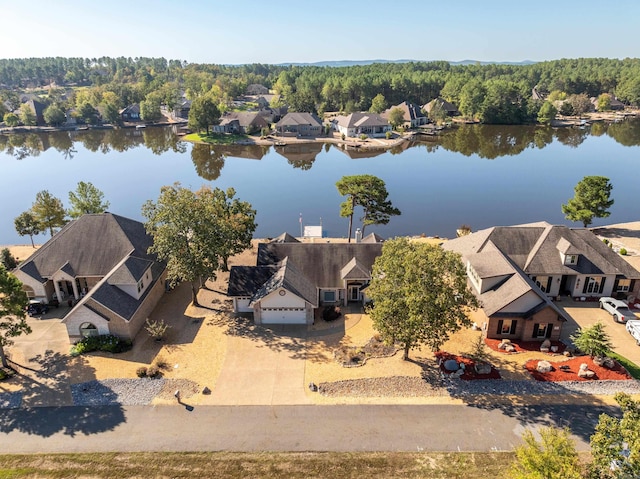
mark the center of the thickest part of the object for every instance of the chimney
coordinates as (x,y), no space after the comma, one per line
(358,235)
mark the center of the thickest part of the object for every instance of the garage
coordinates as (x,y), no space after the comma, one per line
(283,316)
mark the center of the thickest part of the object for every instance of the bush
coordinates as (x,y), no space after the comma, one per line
(103,342)
(2,375)
(141,372)
(153,372)
(623,251)
(388,135)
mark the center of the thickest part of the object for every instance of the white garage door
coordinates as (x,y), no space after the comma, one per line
(283,316)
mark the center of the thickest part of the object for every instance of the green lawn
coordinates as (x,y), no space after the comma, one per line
(215,138)
(633,368)
(224,465)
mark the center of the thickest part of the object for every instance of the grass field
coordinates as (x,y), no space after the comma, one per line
(224,465)
(631,367)
(215,139)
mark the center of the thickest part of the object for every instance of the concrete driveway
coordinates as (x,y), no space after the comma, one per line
(40,358)
(264,366)
(587,314)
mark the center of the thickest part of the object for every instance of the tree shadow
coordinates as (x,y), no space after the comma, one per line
(46,395)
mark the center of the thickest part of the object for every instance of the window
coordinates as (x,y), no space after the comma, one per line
(543,282)
(507,326)
(593,285)
(540,330)
(624,285)
(329,296)
(571,259)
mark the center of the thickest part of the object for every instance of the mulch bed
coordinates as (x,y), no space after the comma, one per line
(602,373)
(469,372)
(524,346)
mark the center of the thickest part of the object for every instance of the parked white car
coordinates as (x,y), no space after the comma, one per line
(618,309)
(633,327)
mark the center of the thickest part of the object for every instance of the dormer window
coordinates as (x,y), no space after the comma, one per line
(571,259)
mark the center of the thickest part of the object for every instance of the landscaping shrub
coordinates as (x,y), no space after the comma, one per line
(103,342)
(623,251)
(2,375)
(153,372)
(141,372)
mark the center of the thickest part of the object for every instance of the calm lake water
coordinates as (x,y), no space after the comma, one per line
(478,175)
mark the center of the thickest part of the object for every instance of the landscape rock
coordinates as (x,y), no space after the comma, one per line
(206,390)
(609,363)
(545,346)
(482,368)
(544,367)
(451,365)
(598,360)
(586,373)
(510,348)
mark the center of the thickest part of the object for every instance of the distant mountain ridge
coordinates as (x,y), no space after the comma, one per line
(349,63)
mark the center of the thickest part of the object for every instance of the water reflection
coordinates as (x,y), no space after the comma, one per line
(485,141)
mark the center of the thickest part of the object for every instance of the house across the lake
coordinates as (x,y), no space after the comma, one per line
(99,263)
(518,271)
(291,279)
(360,123)
(299,124)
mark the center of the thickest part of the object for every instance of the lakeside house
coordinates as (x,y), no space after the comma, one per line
(292,279)
(99,264)
(448,107)
(517,272)
(246,122)
(257,89)
(361,123)
(299,124)
(130,113)
(412,114)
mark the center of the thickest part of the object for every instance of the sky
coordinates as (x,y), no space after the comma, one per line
(278,31)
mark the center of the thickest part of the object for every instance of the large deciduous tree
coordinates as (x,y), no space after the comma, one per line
(86,199)
(615,445)
(48,211)
(150,107)
(378,104)
(54,115)
(11,119)
(27,116)
(13,303)
(591,199)
(420,294)
(26,224)
(195,232)
(370,193)
(547,113)
(554,457)
(203,113)
(396,117)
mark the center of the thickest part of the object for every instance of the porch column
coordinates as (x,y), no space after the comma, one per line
(76,295)
(56,286)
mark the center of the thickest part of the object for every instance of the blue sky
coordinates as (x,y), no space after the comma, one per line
(278,31)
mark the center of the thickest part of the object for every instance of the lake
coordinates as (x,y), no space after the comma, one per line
(480,175)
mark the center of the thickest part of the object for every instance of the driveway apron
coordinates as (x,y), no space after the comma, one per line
(265,367)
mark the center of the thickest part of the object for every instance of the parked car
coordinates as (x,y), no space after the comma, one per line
(36,308)
(633,328)
(618,309)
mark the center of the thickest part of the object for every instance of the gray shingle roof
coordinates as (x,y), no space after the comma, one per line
(354,269)
(359,119)
(372,238)
(290,278)
(130,272)
(285,238)
(321,263)
(90,246)
(246,280)
(299,118)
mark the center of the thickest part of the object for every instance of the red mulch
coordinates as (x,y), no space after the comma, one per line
(469,372)
(524,346)
(618,373)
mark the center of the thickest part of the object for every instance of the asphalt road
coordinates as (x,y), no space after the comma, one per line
(286,428)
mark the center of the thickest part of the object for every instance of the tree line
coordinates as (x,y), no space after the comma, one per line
(495,93)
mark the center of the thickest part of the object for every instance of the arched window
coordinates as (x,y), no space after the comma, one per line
(29,290)
(88,329)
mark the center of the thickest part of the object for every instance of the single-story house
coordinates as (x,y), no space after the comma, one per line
(614,104)
(130,113)
(100,264)
(181,110)
(38,110)
(518,271)
(413,115)
(361,123)
(227,125)
(449,108)
(299,124)
(249,122)
(291,279)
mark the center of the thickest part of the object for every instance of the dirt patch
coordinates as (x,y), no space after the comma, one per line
(568,370)
(353,356)
(469,366)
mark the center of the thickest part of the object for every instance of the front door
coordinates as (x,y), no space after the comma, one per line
(354,293)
